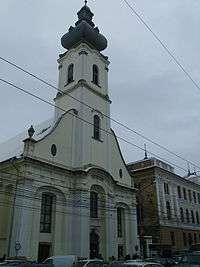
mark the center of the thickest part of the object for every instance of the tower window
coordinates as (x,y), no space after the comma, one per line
(97,125)
(93,205)
(70,73)
(46,213)
(95,75)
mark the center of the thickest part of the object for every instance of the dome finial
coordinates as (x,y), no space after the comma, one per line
(86,2)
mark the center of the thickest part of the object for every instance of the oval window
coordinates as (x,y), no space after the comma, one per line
(120,173)
(53,150)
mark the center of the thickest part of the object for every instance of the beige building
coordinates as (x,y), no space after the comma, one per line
(168,206)
(66,183)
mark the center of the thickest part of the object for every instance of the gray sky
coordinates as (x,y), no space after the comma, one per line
(149,92)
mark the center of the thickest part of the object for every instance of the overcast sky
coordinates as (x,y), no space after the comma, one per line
(149,92)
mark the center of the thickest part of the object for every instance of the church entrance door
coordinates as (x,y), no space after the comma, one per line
(43,251)
(94,245)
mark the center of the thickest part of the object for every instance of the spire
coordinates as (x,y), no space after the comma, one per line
(145,150)
(85,14)
(188,166)
(84,31)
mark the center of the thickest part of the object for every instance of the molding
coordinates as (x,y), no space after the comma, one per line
(60,66)
(83,82)
(86,45)
(83,52)
(97,111)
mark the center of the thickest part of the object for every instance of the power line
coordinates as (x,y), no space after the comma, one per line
(50,184)
(106,131)
(163,45)
(92,108)
(70,202)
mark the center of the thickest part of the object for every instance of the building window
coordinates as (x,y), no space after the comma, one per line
(197,217)
(182,214)
(168,210)
(179,191)
(166,188)
(120,215)
(95,75)
(172,235)
(93,204)
(187,216)
(46,213)
(194,197)
(184,193)
(190,239)
(184,239)
(97,126)
(190,195)
(195,238)
(70,73)
(192,216)
(120,252)
(198,195)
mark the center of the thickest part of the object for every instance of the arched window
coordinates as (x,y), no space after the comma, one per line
(97,126)
(95,75)
(70,73)
(93,204)
(182,214)
(46,213)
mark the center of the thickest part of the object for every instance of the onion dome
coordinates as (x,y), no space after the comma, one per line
(84,31)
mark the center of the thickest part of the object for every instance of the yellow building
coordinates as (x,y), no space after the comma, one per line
(168,207)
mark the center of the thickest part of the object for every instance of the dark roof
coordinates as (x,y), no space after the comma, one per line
(84,30)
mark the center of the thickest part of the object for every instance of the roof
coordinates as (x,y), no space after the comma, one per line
(14,146)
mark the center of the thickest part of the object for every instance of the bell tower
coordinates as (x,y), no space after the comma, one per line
(83,69)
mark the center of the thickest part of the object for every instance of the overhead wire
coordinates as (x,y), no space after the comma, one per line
(92,108)
(90,123)
(162,44)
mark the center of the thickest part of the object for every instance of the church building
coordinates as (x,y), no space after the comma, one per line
(64,185)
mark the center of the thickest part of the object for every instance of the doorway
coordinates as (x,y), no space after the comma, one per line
(44,251)
(94,245)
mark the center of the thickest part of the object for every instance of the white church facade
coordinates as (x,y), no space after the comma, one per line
(66,183)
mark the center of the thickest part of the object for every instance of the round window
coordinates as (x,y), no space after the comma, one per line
(53,150)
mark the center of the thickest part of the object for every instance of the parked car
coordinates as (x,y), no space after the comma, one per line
(116,264)
(166,262)
(190,260)
(139,263)
(89,263)
(61,261)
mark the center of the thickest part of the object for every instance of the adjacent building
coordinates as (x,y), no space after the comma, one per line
(168,207)
(64,185)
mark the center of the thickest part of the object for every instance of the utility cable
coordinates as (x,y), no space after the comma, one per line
(163,45)
(92,108)
(121,138)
